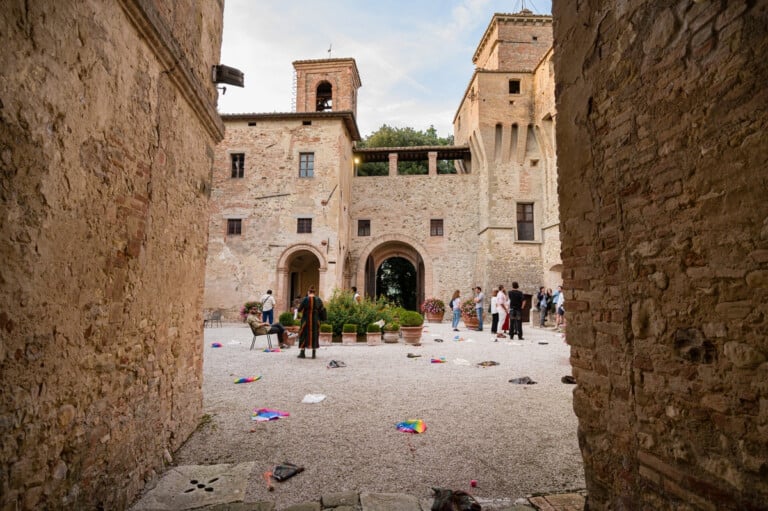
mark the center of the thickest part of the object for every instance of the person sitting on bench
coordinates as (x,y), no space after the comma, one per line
(260,327)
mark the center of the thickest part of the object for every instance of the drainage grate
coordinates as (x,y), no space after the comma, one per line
(197,485)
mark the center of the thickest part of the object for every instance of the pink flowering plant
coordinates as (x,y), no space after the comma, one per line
(468,309)
(433,306)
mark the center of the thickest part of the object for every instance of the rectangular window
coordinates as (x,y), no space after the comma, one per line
(234,227)
(238,165)
(306,164)
(525,222)
(304,225)
(514,86)
(363,227)
(436,227)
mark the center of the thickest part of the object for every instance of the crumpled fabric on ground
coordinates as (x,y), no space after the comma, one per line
(313,398)
(333,364)
(453,500)
(488,363)
(436,360)
(285,471)
(412,426)
(461,362)
(525,380)
(568,379)
(267,414)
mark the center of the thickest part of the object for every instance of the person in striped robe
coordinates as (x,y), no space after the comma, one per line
(312,311)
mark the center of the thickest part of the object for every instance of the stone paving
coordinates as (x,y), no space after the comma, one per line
(222,488)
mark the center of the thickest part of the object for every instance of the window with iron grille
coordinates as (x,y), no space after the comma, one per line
(363,227)
(436,227)
(525,221)
(304,225)
(234,227)
(306,164)
(238,165)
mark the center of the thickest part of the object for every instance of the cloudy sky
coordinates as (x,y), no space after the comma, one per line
(414,56)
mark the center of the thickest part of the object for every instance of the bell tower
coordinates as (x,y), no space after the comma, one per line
(327,85)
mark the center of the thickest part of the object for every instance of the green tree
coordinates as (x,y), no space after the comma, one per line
(387,136)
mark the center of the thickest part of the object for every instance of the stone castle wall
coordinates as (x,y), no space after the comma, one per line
(103,244)
(665,248)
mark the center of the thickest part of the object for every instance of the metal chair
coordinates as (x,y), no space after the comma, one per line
(213,318)
(261,330)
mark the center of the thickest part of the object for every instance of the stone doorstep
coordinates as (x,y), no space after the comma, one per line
(195,486)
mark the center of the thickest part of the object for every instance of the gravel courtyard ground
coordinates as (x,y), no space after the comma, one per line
(514,440)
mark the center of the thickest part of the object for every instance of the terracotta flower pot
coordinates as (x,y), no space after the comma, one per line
(326,338)
(373,338)
(349,338)
(412,334)
(435,317)
(470,322)
(391,337)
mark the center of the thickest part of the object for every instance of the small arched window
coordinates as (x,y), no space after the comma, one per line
(324,97)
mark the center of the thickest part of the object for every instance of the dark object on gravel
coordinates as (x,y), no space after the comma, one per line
(488,363)
(285,471)
(454,500)
(525,380)
(438,340)
(542,342)
(336,363)
(412,355)
(569,380)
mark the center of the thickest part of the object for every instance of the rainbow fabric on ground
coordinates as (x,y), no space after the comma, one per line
(412,426)
(267,414)
(249,379)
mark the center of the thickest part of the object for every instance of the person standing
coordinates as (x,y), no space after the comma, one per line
(494,312)
(312,310)
(503,308)
(541,302)
(456,310)
(356,296)
(516,306)
(268,307)
(479,297)
(560,304)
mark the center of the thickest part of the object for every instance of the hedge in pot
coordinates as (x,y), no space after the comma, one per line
(326,334)
(373,334)
(412,324)
(349,333)
(392,332)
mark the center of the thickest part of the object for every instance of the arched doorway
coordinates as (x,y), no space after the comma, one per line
(302,269)
(397,281)
(396,269)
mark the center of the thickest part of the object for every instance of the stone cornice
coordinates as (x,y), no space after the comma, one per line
(166,48)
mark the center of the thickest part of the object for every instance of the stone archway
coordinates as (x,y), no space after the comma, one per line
(393,246)
(299,267)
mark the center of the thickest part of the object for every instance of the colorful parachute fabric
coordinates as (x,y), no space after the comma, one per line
(436,360)
(267,414)
(248,379)
(273,350)
(412,426)
(216,345)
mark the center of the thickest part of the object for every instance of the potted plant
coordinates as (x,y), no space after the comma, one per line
(326,334)
(286,319)
(349,333)
(373,334)
(392,332)
(411,325)
(434,309)
(469,315)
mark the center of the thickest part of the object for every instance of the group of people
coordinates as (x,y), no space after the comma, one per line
(551,304)
(506,309)
(312,311)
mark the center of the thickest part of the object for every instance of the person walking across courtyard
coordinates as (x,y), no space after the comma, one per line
(268,307)
(479,298)
(503,308)
(494,312)
(312,311)
(455,310)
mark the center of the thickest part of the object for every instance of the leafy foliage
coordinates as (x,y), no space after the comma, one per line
(411,318)
(349,328)
(326,328)
(342,309)
(468,309)
(433,305)
(396,278)
(387,136)
(373,328)
(286,319)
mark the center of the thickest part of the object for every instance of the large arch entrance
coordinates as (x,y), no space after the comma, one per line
(395,268)
(299,268)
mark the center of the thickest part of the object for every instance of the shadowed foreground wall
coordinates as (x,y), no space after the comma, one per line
(107,127)
(663,156)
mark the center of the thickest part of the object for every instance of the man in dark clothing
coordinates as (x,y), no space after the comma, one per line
(516,305)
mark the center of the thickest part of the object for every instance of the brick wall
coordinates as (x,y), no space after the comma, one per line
(662,156)
(103,244)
